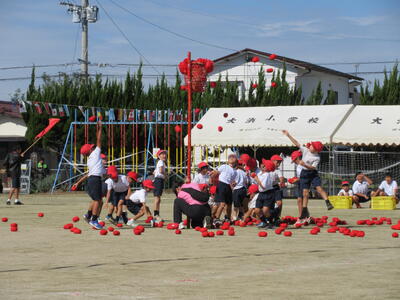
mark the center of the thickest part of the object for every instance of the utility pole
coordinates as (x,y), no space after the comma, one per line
(83,14)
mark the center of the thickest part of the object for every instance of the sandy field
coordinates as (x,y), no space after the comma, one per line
(44,261)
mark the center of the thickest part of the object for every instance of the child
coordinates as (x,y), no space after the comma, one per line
(159,177)
(95,173)
(202,177)
(239,191)
(309,174)
(252,191)
(266,198)
(136,202)
(361,189)
(226,182)
(346,190)
(388,187)
(296,157)
(211,201)
(278,184)
(119,186)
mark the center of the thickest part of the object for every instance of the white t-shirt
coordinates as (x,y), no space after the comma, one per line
(267,180)
(298,170)
(227,174)
(240,179)
(252,203)
(139,196)
(309,158)
(160,169)
(121,185)
(342,192)
(360,187)
(388,188)
(201,179)
(277,175)
(94,163)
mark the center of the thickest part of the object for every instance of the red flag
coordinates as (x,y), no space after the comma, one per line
(52,122)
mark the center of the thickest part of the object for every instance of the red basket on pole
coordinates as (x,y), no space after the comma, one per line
(199,77)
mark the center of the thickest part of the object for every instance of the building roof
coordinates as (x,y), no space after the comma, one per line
(291,61)
(9,109)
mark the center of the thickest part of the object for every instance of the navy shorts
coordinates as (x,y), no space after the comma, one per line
(278,193)
(134,208)
(266,199)
(363,199)
(94,188)
(15,181)
(159,187)
(117,196)
(238,196)
(224,193)
(308,179)
(299,191)
(103,189)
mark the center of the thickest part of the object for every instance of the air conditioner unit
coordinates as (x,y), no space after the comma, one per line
(91,13)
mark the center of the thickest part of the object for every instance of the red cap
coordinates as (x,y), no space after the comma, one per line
(111,169)
(252,163)
(148,183)
(276,157)
(203,186)
(103,156)
(85,149)
(296,154)
(160,151)
(132,175)
(245,158)
(202,165)
(113,175)
(269,165)
(213,189)
(293,180)
(318,146)
(240,162)
(345,183)
(252,189)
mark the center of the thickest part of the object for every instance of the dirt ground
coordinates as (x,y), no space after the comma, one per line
(44,261)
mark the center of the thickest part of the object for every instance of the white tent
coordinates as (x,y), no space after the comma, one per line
(370,125)
(12,129)
(262,126)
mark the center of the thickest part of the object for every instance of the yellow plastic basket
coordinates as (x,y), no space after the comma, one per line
(341,202)
(383,202)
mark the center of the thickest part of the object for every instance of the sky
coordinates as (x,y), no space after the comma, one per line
(317,31)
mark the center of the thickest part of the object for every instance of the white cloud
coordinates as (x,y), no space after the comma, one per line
(279,28)
(364,21)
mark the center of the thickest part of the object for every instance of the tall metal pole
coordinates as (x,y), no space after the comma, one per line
(189,120)
(84,53)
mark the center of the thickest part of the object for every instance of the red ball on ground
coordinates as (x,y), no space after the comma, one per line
(279,230)
(40,215)
(197,228)
(287,233)
(231,232)
(361,234)
(116,232)
(395,235)
(262,234)
(68,226)
(102,223)
(178,231)
(203,229)
(137,232)
(219,232)
(4,219)
(110,229)
(75,219)
(120,225)
(140,228)
(204,234)
(211,234)
(103,232)
(13,225)
(77,231)
(313,231)
(13,228)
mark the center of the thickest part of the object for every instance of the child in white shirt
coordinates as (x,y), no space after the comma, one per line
(388,187)
(159,178)
(136,202)
(203,176)
(346,190)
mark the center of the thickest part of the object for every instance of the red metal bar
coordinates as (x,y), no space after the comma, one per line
(189,120)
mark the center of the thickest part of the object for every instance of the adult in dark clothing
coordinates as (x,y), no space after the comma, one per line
(193,203)
(12,164)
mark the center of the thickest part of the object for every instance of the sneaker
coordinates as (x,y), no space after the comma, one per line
(8,202)
(152,223)
(108,218)
(299,221)
(17,202)
(270,225)
(86,218)
(158,219)
(132,223)
(181,226)
(329,205)
(207,222)
(217,223)
(95,225)
(262,225)
(121,220)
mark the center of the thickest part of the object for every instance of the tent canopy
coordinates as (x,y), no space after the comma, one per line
(262,126)
(370,125)
(12,129)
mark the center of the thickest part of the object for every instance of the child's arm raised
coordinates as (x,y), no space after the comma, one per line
(292,139)
(98,134)
(368,179)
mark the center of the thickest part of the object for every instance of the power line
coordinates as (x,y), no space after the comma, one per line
(170,31)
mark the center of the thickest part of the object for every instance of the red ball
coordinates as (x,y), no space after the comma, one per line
(279,230)
(231,232)
(202,229)
(204,234)
(361,234)
(77,231)
(273,84)
(220,128)
(197,111)
(119,225)
(320,224)
(219,232)
(4,219)
(197,228)
(298,225)
(116,232)
(40,215)
(110,229)
(270,70)
(75,219)
(13,228)
(140,228)
(102,223)
(225,115)
(253,175)
(103,232)
(211,234)
(254,85)
(178,231)
(287,233)
(262,234)
(68,226)
(13,225)
(199,126)
(137,232)
(395,235)
(331,230)
(178,129)
(272,56)
(313,231)
(213,84)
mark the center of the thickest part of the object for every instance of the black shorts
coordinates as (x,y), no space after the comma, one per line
(309,178)
(159,187)
(266,199)
(363,199)
(278,193)
(238,196)
(16,181)
(94,188)
(103,189)
(134,208)
(117,196)
(224,193)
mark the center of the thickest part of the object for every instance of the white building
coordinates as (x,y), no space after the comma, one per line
(239,67)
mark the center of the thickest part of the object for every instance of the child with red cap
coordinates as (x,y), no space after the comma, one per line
(239,190)
(136,202)
(252,192)
(226,181)
(296,158)
(95,173)
(278,184)
(266,198)
(159,178)
(309,174)
(203,176)
(346,190)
